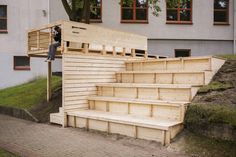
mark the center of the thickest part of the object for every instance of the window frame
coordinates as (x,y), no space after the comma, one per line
(4,18)
(15,67)
(97,20)
(178,14)
(134,8)
(221,10)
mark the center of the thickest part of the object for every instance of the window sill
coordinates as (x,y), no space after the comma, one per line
(180,22)
(22,68)
(3,31)
(134,21)
(221,23)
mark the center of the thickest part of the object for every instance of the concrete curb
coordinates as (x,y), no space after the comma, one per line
(18,113)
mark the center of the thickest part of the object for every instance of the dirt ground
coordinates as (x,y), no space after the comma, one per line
(224,97)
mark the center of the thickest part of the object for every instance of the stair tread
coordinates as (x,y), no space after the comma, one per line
(131,100)
(162,71)
(147,85)
(171,59)
(127,119)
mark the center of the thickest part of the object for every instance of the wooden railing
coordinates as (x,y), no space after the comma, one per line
(83,38)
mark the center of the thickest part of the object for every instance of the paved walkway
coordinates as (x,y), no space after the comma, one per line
(42,140)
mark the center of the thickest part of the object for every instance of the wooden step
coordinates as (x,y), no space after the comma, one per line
(144,128)
(148,91)
(165,77)
(201,63)
(56,118)
(172,110)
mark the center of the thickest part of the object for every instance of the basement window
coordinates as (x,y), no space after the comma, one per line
(182,52)
(21,63)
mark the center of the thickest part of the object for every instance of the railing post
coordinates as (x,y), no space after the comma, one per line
(114,51)
(123,53)
(49,82)
(86,48)
(38,39)
(133,53)
(104,50)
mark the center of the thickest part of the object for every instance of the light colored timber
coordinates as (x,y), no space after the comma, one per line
(148,128)
(139,107)
(165,77)
(148,91)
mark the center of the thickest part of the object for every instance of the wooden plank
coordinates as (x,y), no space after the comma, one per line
(49,82)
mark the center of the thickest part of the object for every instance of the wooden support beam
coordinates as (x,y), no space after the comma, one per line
(145,54)
(123,52)
(38,39)
(114,51)
(49,82)
(86,48)
(104,50)
(65,122)
(133,53)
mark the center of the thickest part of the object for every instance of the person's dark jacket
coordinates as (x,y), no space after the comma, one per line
(57,37)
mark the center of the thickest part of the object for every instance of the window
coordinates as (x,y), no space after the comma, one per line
(179,14)
(221,11)
(182,52)
(3,18)
(136,12)
(21,63)
(96,11)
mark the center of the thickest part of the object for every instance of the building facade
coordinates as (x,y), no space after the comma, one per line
(16,17)
(197,27)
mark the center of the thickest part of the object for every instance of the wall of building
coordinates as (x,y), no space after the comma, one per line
(22,15)
(201,32)
(197,47)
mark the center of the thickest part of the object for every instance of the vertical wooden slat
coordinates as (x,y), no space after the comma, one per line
(104,50)
(49,82)
(38,39)
(124,52)
(133,53)
(114,51)
(86,48)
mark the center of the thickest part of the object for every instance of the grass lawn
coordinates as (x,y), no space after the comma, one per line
(228,56)
(27,95)
(4,153)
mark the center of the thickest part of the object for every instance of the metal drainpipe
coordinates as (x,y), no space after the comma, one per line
(234,25)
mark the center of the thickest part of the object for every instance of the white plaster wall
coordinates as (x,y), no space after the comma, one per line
(198,47)
(22,15)
(202,27)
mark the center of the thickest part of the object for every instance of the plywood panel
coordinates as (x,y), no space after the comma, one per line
(101,105)
(148,93)
(175,94)
(150,134)
(107,91)
(166,112)
(189,78)
(127,78)
(164,78)
(144,78)
(122,129)
(154,65)
(81,122)
(98,125)
(200,64)
(125,92)
(174,65)
(140,110)
(121,108)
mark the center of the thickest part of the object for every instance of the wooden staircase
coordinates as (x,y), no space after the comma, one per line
(148,99)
